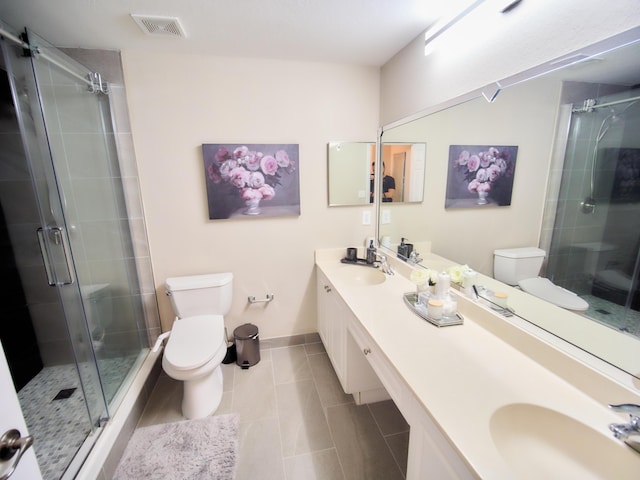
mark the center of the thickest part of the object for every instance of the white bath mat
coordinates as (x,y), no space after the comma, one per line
(205,448)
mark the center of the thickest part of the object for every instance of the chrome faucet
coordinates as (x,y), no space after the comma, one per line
(629,433)
(414,258)
(381,261)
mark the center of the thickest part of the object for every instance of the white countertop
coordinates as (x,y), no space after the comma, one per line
(462,374)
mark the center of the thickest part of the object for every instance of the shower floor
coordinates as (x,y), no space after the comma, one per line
(613,315)
(60,426)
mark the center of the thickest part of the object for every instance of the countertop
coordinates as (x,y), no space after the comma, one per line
(461,375)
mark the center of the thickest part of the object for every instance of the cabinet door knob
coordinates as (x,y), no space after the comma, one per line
(367,351)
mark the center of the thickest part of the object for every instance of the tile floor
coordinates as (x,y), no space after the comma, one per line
(296,422)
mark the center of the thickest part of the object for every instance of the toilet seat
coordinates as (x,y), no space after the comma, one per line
(546,290)
(194,341)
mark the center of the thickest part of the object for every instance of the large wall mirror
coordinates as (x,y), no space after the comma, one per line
(575,190)
(352,174)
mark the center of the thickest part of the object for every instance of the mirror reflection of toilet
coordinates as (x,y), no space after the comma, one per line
(197,344)
(521,266)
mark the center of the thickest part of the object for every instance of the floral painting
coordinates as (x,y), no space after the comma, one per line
(480,175)
(255,180)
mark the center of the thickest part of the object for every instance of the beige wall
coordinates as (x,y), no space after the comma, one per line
(474,54)
(179,102)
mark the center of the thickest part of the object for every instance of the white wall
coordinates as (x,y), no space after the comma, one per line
(476,53)
(179,102)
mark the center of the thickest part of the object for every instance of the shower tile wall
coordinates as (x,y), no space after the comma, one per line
(21,216)
(574,232)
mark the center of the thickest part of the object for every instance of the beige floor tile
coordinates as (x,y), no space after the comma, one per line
(327,382)
(399,446)
(323,465)
(303,426)
(254,393)
(165,403)
(388,417)
(314,348)
(260,455)
(290,364)
(363,452)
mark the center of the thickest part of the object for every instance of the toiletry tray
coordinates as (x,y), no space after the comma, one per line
(411,298)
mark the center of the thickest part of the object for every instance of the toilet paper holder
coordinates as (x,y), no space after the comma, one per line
(268,299)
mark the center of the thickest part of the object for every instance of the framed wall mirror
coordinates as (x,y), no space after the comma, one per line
(576,190)
(352,175)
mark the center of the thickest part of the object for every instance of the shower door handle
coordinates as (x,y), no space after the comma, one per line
(13,442)
(60,239)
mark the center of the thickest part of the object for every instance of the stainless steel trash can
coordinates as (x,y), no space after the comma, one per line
(247,345)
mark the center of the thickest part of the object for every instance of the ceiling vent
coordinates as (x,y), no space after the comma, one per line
(159,26)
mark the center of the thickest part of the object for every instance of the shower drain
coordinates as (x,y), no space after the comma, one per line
(64,394)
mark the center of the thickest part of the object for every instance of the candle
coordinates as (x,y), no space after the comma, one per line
(434,309)
(442,287)
(500,298)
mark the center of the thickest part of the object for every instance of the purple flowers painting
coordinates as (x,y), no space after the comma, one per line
(480,175)
(251,179)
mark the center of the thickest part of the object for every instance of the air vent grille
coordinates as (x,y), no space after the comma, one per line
(159,26)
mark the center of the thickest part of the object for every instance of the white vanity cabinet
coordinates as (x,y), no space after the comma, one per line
(354,372)
(430,454)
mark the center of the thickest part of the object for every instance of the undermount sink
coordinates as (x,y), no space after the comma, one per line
(361,275)
(537,442)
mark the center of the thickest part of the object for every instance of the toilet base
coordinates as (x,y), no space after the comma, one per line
(201,397)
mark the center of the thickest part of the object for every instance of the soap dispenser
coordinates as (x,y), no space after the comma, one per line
(371,253)
(404,249)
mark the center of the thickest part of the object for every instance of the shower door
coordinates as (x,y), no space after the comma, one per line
(595,243)
(80,279)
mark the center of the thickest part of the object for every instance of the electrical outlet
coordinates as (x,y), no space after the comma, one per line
(386,216)
(366,217)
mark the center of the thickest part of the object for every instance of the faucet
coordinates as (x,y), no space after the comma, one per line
(381,261)
(414,258)
(629,433)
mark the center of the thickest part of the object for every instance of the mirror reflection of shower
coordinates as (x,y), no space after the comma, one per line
(595,242)
(612,119)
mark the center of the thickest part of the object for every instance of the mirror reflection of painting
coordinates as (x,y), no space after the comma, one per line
(480,175)
(251,179)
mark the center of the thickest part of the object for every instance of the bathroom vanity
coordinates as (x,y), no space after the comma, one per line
(485,399)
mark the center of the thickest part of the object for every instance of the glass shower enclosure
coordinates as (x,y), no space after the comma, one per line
(78,328)
(595,244)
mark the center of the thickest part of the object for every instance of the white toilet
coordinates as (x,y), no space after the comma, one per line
(521,266)
(197,343)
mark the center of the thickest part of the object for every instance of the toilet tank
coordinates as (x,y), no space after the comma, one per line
(510,265)
(200,294)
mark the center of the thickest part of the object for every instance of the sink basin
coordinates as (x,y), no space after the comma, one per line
(360,275)
(537,442)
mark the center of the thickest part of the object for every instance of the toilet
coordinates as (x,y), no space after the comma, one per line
(98,308)
(196,344)
(521,266)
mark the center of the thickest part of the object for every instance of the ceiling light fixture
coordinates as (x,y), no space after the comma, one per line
(446,22)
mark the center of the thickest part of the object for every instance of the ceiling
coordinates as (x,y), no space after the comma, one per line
(364,32)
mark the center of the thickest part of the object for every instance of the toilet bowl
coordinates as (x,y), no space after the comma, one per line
(196,344)
(98,308)
(520,266)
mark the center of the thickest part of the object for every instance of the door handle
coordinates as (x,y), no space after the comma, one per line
(59,238)
(13,442)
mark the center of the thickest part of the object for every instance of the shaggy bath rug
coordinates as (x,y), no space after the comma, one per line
(205,448)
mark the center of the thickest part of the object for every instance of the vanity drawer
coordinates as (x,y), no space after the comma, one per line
(386,373)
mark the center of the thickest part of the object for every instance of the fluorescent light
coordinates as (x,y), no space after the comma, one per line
(447,22)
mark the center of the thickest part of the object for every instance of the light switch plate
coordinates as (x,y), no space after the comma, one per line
(386,216)
(366,217)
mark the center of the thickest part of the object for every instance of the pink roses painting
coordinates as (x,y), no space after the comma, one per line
(251,173)
(480,173)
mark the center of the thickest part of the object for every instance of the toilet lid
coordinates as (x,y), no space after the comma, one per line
(545,289)
(194,341)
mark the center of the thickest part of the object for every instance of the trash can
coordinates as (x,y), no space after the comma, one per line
(247,345)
